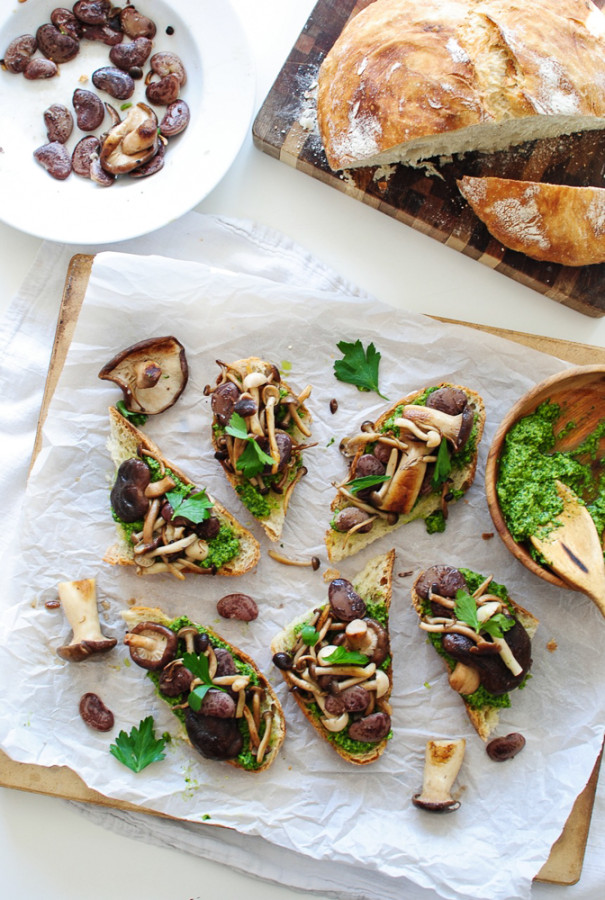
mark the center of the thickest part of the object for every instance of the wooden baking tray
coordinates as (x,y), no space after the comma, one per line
(564,864)
(432,205)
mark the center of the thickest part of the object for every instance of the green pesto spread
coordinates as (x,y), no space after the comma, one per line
(245,758)
(253,500)
(529,467)
(481,698)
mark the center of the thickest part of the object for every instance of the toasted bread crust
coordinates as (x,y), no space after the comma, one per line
(374,581)
(123,442)
(137,614)
(485,720)
(273,523)
(340,545)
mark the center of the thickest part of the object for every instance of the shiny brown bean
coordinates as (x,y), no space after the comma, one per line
(165,91)
(55,159)
(40,68)
(59,122)
(94,712)
(134,24)
(165,63)
(105,34)
(83,151)
(237,606)
(55,45)
(92,12)
(19,52)
(132,54)
(66,22)
(345,602)
(99,175)
(175,119)
(114,81)
(90,112)
(370,729)
(502,748)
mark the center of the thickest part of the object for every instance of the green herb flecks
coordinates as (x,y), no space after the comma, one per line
(343,657)
(443,466)
(194,507)
(140,748)
(359,366)
(253,460)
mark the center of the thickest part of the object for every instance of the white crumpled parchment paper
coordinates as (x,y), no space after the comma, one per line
(310,800)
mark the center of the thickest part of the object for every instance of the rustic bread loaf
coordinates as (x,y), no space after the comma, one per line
(550,222)
(412,79)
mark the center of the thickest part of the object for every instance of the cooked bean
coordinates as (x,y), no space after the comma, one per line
(94,712)
(502,748)
(351,516)
(345,602)
(66,22)
(370,729)
(19,52)
(92,12)
(90,111)
(175,120)
(237,606)
(59,122)
(40,68)
(214,738)
(102,33)
(165,63)
(218,703)
(82,156)
(175,679)
(113,80)
(133,53)
(225,663)
(134,24)
(165,91)
(55,159)
(55,45)
(99,175)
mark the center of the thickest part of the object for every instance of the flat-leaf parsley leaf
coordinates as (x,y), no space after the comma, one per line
(139,748)
(358,366)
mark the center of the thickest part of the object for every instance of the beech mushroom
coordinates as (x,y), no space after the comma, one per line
(79,603)
(132,142)
(442,763)
(152,374)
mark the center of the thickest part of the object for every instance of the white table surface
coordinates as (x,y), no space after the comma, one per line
(47,848)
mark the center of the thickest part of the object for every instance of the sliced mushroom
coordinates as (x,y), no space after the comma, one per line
(152,374)
(403,488)
(442,763)
(79,603)
(132,142)
(455,429)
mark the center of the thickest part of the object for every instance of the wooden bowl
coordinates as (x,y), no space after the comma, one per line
(580,392)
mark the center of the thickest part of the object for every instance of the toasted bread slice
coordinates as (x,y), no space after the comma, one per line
(471,679)
(233,551)
(258,723)
(373,670)
(407,492)
(280,423)
(550,222)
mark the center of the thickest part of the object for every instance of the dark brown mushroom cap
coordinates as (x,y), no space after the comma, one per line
(152,374)
(435,806)
(152,646)
(85,649)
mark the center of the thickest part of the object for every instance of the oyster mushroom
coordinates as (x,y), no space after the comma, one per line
(152,374)
(79,603)
(441,766)
(132,142)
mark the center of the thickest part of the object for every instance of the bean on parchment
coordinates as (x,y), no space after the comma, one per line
(237,606)
(94,712)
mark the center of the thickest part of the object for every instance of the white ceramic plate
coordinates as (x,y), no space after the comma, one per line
(219,91)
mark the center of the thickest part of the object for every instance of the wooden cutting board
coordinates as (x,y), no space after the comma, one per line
(564,865)
(431,205)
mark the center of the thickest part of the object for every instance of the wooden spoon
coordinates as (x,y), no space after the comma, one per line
(573,549)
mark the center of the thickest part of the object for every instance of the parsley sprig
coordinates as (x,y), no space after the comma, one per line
(343,657)
(443,465)
(358,366)
(365,481)
(195,507)
(254,459)
(465,610)
(140,748)
(199,668)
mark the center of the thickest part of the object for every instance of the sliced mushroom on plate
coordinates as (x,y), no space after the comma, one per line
(152,374)
(132,142)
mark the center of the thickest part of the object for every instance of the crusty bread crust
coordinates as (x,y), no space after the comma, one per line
(137,614)
(550,222)
(484,721)
(123,441)
(374,583)
(412,79)
(273,523)
(340,545)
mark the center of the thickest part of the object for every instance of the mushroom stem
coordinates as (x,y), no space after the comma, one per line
(79,603)
(442,763)
(286,561)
